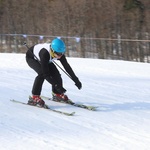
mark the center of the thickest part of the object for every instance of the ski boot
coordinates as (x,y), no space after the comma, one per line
(36,100)
(60,97)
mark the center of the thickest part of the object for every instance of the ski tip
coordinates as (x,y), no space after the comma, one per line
(72,114)
(92,108)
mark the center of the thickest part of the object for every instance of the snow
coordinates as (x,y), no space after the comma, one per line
(121,89)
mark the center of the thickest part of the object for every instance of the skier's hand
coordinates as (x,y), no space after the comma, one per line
(78,83)
(60,89)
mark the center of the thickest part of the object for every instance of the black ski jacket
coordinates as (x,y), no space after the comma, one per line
(45,59)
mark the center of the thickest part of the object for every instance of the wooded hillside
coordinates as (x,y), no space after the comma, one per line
(75,18)
(113,19)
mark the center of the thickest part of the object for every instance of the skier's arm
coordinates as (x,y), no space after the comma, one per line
(69,70)
(67,67)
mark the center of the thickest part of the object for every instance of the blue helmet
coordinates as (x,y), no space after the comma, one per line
(58,46)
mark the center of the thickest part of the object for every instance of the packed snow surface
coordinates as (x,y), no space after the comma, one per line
(120,89)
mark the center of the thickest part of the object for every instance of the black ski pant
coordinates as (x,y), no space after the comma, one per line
(38,82)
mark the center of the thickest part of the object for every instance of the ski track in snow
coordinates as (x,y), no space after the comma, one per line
(120,89)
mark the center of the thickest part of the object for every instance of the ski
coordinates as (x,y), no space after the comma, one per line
(45,107)
(92,108)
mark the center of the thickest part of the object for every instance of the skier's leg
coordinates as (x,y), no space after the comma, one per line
(38,82)
(56,76)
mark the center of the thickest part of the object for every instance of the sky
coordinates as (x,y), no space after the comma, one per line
(120,89)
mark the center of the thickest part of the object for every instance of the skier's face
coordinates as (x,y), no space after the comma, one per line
(58,55)
(55,54)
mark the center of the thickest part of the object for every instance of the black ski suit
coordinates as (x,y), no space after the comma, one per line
(46,69)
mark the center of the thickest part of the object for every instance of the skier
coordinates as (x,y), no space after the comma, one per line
(40,58)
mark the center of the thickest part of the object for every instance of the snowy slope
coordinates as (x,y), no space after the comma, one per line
(121,89)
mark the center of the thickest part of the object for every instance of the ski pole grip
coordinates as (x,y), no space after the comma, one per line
(25,44)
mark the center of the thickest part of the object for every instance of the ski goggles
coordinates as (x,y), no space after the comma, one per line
(57,53)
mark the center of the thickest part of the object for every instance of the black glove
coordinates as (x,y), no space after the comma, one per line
(78,83)
(60,89)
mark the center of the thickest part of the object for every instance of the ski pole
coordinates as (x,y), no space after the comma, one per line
(25,44)
(63,70)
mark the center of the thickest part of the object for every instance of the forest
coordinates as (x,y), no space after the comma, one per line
(103,29)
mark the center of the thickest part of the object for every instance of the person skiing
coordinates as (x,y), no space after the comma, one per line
(40,58)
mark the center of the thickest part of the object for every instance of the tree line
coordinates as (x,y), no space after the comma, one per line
(91,20)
